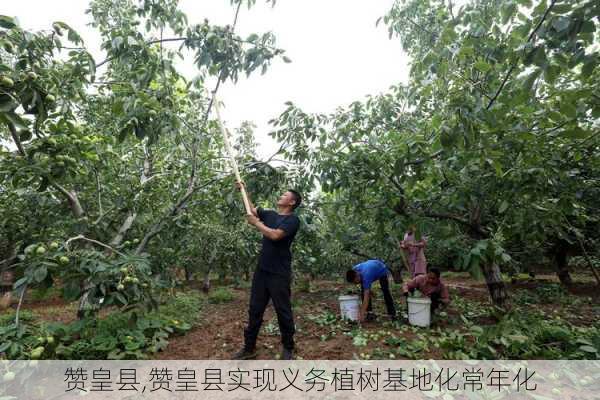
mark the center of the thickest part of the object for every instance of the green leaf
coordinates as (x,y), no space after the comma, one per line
(568,109)
(25,135)
(74,36)
(589,67)
(539,57)
(7,104)
(588,27)
(20,282)
(575,133)
(40,273)
(120,297)
(508,10)
(551,73)
(18,122)
(561,23)
(7,22)
(503,207)
(482,66)
(116,42)
(588,349)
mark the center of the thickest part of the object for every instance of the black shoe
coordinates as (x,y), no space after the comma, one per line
(287,354)
(244,354)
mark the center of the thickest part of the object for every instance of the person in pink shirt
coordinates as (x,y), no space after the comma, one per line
(431,286)
(415,252)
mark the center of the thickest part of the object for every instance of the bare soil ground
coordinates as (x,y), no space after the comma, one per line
(320,334)
(221,332)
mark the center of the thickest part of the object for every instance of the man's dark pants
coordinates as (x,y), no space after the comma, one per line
(269,286)
(387,296)
(435,301)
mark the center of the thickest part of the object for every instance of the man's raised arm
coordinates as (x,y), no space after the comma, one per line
(252,208)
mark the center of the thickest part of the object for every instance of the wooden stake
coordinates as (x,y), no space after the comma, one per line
(234,165)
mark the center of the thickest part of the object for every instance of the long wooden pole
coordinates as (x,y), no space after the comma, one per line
(234,165)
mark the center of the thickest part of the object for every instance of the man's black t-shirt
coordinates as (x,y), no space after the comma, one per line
(275,256)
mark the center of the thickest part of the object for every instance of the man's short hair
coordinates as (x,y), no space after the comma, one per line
(351,275)
(297,198)
(435,271)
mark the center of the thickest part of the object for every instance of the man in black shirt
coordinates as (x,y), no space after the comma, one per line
(273,276)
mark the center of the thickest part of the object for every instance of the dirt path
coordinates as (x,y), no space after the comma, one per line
(221,331)
(319,333)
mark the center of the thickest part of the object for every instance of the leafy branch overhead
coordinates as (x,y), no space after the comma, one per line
(493,136)
(116,154)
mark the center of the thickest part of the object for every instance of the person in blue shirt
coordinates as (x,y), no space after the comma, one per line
(365,274)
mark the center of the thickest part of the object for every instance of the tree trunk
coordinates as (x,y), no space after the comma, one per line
(562,266)
(188,273)
(206,281)
(85,305)
(7,278)
(495,284)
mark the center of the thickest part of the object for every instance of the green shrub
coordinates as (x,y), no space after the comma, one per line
(220,295)
(9,317)
(120,335)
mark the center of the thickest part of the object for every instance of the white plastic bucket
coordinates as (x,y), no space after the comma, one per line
(419,311)
(349,307)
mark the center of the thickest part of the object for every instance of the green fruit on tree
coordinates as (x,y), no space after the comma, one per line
(32,75)
(37,352)
(50,339)
(124,270)
(40,250)
(53,246)
(41,339)
(120,286)
(63,260)
(50,98)
(6,82)
(136,241)
(135,280)
(9,376)
(152,113)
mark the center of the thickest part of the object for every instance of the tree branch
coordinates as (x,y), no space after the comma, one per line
(15,137)
(82,237)
(191,188)
(72,199)
(116,241)
(508,74)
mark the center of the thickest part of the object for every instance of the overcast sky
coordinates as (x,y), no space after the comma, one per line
(338,55)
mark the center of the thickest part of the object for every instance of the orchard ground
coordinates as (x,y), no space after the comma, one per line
(322,335)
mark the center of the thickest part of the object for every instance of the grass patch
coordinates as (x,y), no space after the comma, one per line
(220,295)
